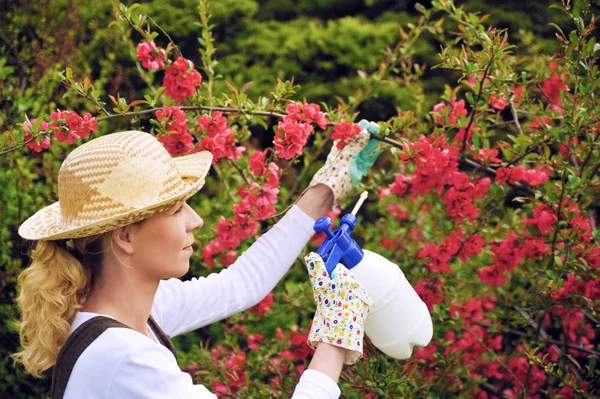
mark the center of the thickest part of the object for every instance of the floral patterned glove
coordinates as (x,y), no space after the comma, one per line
(345,167)
(342,307)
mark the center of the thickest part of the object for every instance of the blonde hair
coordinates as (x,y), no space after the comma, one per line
(52,289)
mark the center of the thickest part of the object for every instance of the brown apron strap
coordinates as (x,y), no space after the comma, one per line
(163,338)
(77,342)
(80,339)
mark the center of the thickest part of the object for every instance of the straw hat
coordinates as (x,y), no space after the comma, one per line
(115,180)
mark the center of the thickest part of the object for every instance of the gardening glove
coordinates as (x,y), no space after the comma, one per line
(344,168)
(342,307)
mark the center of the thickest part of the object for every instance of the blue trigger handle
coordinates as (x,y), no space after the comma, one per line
(338,246)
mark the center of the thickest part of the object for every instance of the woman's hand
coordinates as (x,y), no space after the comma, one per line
(342,307)
(345,167)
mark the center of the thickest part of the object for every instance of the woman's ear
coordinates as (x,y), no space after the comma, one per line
(122,238)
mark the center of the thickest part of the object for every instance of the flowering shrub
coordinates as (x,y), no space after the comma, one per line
(485,200)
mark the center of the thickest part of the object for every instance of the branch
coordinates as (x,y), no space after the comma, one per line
(193,108)
(529,151)
(472,118)
(515,117)
(558,212)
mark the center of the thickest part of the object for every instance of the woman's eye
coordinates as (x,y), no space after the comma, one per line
(179,209)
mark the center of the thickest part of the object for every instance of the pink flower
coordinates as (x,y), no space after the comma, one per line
(487,155)
(174,119)
(178,143)
(497,102)
(263,306)
(254,340)
(344,131)
(492,276)
(400,185)
(551,89)
(257,163)
(70,126)
(544,218)
(456,109)
(291,137)
(219,139)
(313,112)
(430,292)
(150,56)
(41,142)
(181,79)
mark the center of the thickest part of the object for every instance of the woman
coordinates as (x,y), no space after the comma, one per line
(114,243)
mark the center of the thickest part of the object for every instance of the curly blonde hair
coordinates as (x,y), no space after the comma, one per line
(52,289)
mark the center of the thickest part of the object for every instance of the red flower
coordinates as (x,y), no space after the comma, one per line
(291,138)
(70,126)
(457,108)
(344,131)
(429,291)
(219,139)
(492,276)
(263,306)
(254,340)
(551,89)
(400,185)
(487,155)
(497,102)
(181,79)
(41,142)
(544,218)
(174,119)
(313,113)
(150,56)
(257,163)
(178,143)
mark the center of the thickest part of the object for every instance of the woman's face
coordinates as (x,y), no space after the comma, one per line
(163,243)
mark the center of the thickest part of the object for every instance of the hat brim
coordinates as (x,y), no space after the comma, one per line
(48,223)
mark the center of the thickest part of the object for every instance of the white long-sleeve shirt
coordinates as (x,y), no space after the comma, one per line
(123,363)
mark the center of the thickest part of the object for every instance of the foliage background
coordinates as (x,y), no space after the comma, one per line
(321,44)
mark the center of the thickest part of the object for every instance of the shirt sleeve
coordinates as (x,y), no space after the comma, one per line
(180,307)
(151,375)
(315,385)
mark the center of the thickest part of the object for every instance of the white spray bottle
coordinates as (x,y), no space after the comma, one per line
(399,320)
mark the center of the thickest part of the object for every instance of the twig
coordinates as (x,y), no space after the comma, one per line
(558,212)
(17,146)
(474,111)
(529,151)
(515,117)
(544,335)
(237,167)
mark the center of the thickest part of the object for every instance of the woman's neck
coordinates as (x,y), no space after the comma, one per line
(124,294)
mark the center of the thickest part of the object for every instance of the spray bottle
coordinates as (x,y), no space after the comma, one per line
(399,320)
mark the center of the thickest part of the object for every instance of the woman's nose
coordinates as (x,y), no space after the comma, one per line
(194,220)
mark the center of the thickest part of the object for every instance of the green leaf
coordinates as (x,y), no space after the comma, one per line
(470,99)
(558,261)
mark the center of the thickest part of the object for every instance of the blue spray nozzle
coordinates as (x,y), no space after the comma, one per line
(338,246)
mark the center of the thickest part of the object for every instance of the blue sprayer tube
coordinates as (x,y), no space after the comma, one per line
(399,320)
